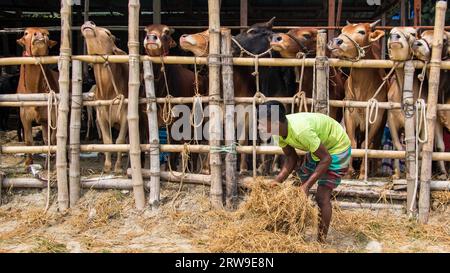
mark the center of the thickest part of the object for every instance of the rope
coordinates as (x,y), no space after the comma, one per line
(52,102)
(243,50)
(229,149)
(197,100)
(361,50)
(300,97)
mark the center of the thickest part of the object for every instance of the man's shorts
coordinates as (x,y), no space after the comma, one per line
(332,177)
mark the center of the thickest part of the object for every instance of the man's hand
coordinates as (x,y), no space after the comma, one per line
(305,189)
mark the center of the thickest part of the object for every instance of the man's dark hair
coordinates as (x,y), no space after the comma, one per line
(272,107)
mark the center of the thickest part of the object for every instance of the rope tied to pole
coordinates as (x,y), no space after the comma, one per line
(197,101)
(52,103)
(229,149)
(300,97)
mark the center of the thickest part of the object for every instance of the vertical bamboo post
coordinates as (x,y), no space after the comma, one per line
(133,106)
(228,97)
(215,125)
(152,113)
(408,102)
(331,17)
(244,13)
(156,11)
(433,86)
(63,109)
(322,75)
(85,18)
(75,125)
(2,176)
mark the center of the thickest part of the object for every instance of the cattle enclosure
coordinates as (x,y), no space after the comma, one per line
(220,63)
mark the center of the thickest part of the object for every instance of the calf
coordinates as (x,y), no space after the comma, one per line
(361,41)
(112,83)
(36,43)
(303,40)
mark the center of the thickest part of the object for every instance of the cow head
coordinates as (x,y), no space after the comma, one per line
(400,43)
(99,41)
(36,42)
(158,40)
(295,41)
(422,46)
(354,37)
(197,43)
(256,39)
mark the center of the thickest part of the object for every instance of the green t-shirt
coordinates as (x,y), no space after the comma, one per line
(307,130)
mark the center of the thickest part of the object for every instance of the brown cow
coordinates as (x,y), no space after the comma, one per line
(244,82)
(100,41)
(180,80)
(304,40)
(358,41)
(36,43)
(422,50)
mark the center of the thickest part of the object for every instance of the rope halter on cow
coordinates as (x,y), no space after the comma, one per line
(361,50)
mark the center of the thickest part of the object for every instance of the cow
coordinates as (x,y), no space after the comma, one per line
(361,41)
(112,83)
(303,40)
(273,81)
(422,51)
(243,81)
(36,43)
(180,80)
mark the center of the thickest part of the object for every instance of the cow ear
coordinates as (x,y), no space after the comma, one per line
(171,30)
(51,43)
(21,41)
(376,35)
(118,51)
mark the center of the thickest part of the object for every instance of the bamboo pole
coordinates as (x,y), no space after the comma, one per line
(215,125)
(371,206)
(228,97)
(63,109)
(156,11)
(322,74)
(2,176)
(331,17)
(408,102)
(75,126)
(29,60)
(244,13)
(433,86)
(152,113)
(133,107)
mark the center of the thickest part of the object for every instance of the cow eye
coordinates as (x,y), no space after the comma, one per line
(362,32)
(26,33)
(307,36)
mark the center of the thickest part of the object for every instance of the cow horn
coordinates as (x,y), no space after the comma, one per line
(269,24)
(348,23)
(372,25)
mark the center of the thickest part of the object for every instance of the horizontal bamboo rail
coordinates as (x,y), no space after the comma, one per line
(21,100)
(173,148)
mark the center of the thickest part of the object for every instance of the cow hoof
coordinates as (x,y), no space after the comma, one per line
(442,177)
(107,169)
(28,162)
(395,177)
(205,171)
(243,172)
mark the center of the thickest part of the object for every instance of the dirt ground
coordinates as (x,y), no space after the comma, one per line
(106,221)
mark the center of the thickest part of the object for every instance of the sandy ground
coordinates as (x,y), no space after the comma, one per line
(106,221)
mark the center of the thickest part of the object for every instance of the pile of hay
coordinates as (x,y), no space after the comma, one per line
(274,219)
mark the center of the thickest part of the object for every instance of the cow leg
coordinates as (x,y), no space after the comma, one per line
(121,140)
(102,118)
(27,132)
(393,128)
(440,147)
(373,131)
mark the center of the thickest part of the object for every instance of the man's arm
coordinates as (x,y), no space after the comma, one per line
(289,164)
(325,161)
